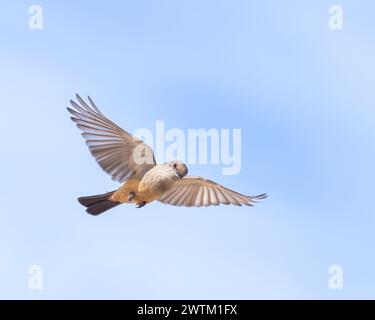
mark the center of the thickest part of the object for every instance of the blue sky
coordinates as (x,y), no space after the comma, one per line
(301,93)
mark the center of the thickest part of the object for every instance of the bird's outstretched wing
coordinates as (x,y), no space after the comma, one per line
(118,153)
(197,191)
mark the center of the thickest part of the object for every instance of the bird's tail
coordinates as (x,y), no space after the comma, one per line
(98,204)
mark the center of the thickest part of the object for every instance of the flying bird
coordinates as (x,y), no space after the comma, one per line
(131,162)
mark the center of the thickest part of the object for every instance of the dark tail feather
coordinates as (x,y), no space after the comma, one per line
(98,204)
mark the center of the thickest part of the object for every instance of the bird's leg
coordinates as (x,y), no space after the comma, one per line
(131,196)
(142,204)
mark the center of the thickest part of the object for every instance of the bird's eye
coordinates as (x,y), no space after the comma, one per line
(175,165)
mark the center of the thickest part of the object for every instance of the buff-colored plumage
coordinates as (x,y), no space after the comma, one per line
(130,161)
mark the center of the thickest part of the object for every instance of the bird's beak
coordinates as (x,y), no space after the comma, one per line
(180,175)
(181,171)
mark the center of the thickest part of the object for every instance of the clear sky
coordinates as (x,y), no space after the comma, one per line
(302,94)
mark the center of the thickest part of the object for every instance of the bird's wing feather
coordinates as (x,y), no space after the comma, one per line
(192,191)
(117,152)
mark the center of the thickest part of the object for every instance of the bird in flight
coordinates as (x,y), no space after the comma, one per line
(131,162)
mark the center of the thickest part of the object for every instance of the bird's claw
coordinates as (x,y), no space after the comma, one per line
(131,196)
(140,205)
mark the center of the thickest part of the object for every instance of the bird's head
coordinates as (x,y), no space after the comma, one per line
(180,168)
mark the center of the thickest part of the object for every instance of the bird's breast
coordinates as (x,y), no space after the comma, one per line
(156,181)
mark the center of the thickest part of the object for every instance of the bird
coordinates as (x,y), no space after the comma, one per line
(131,162)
